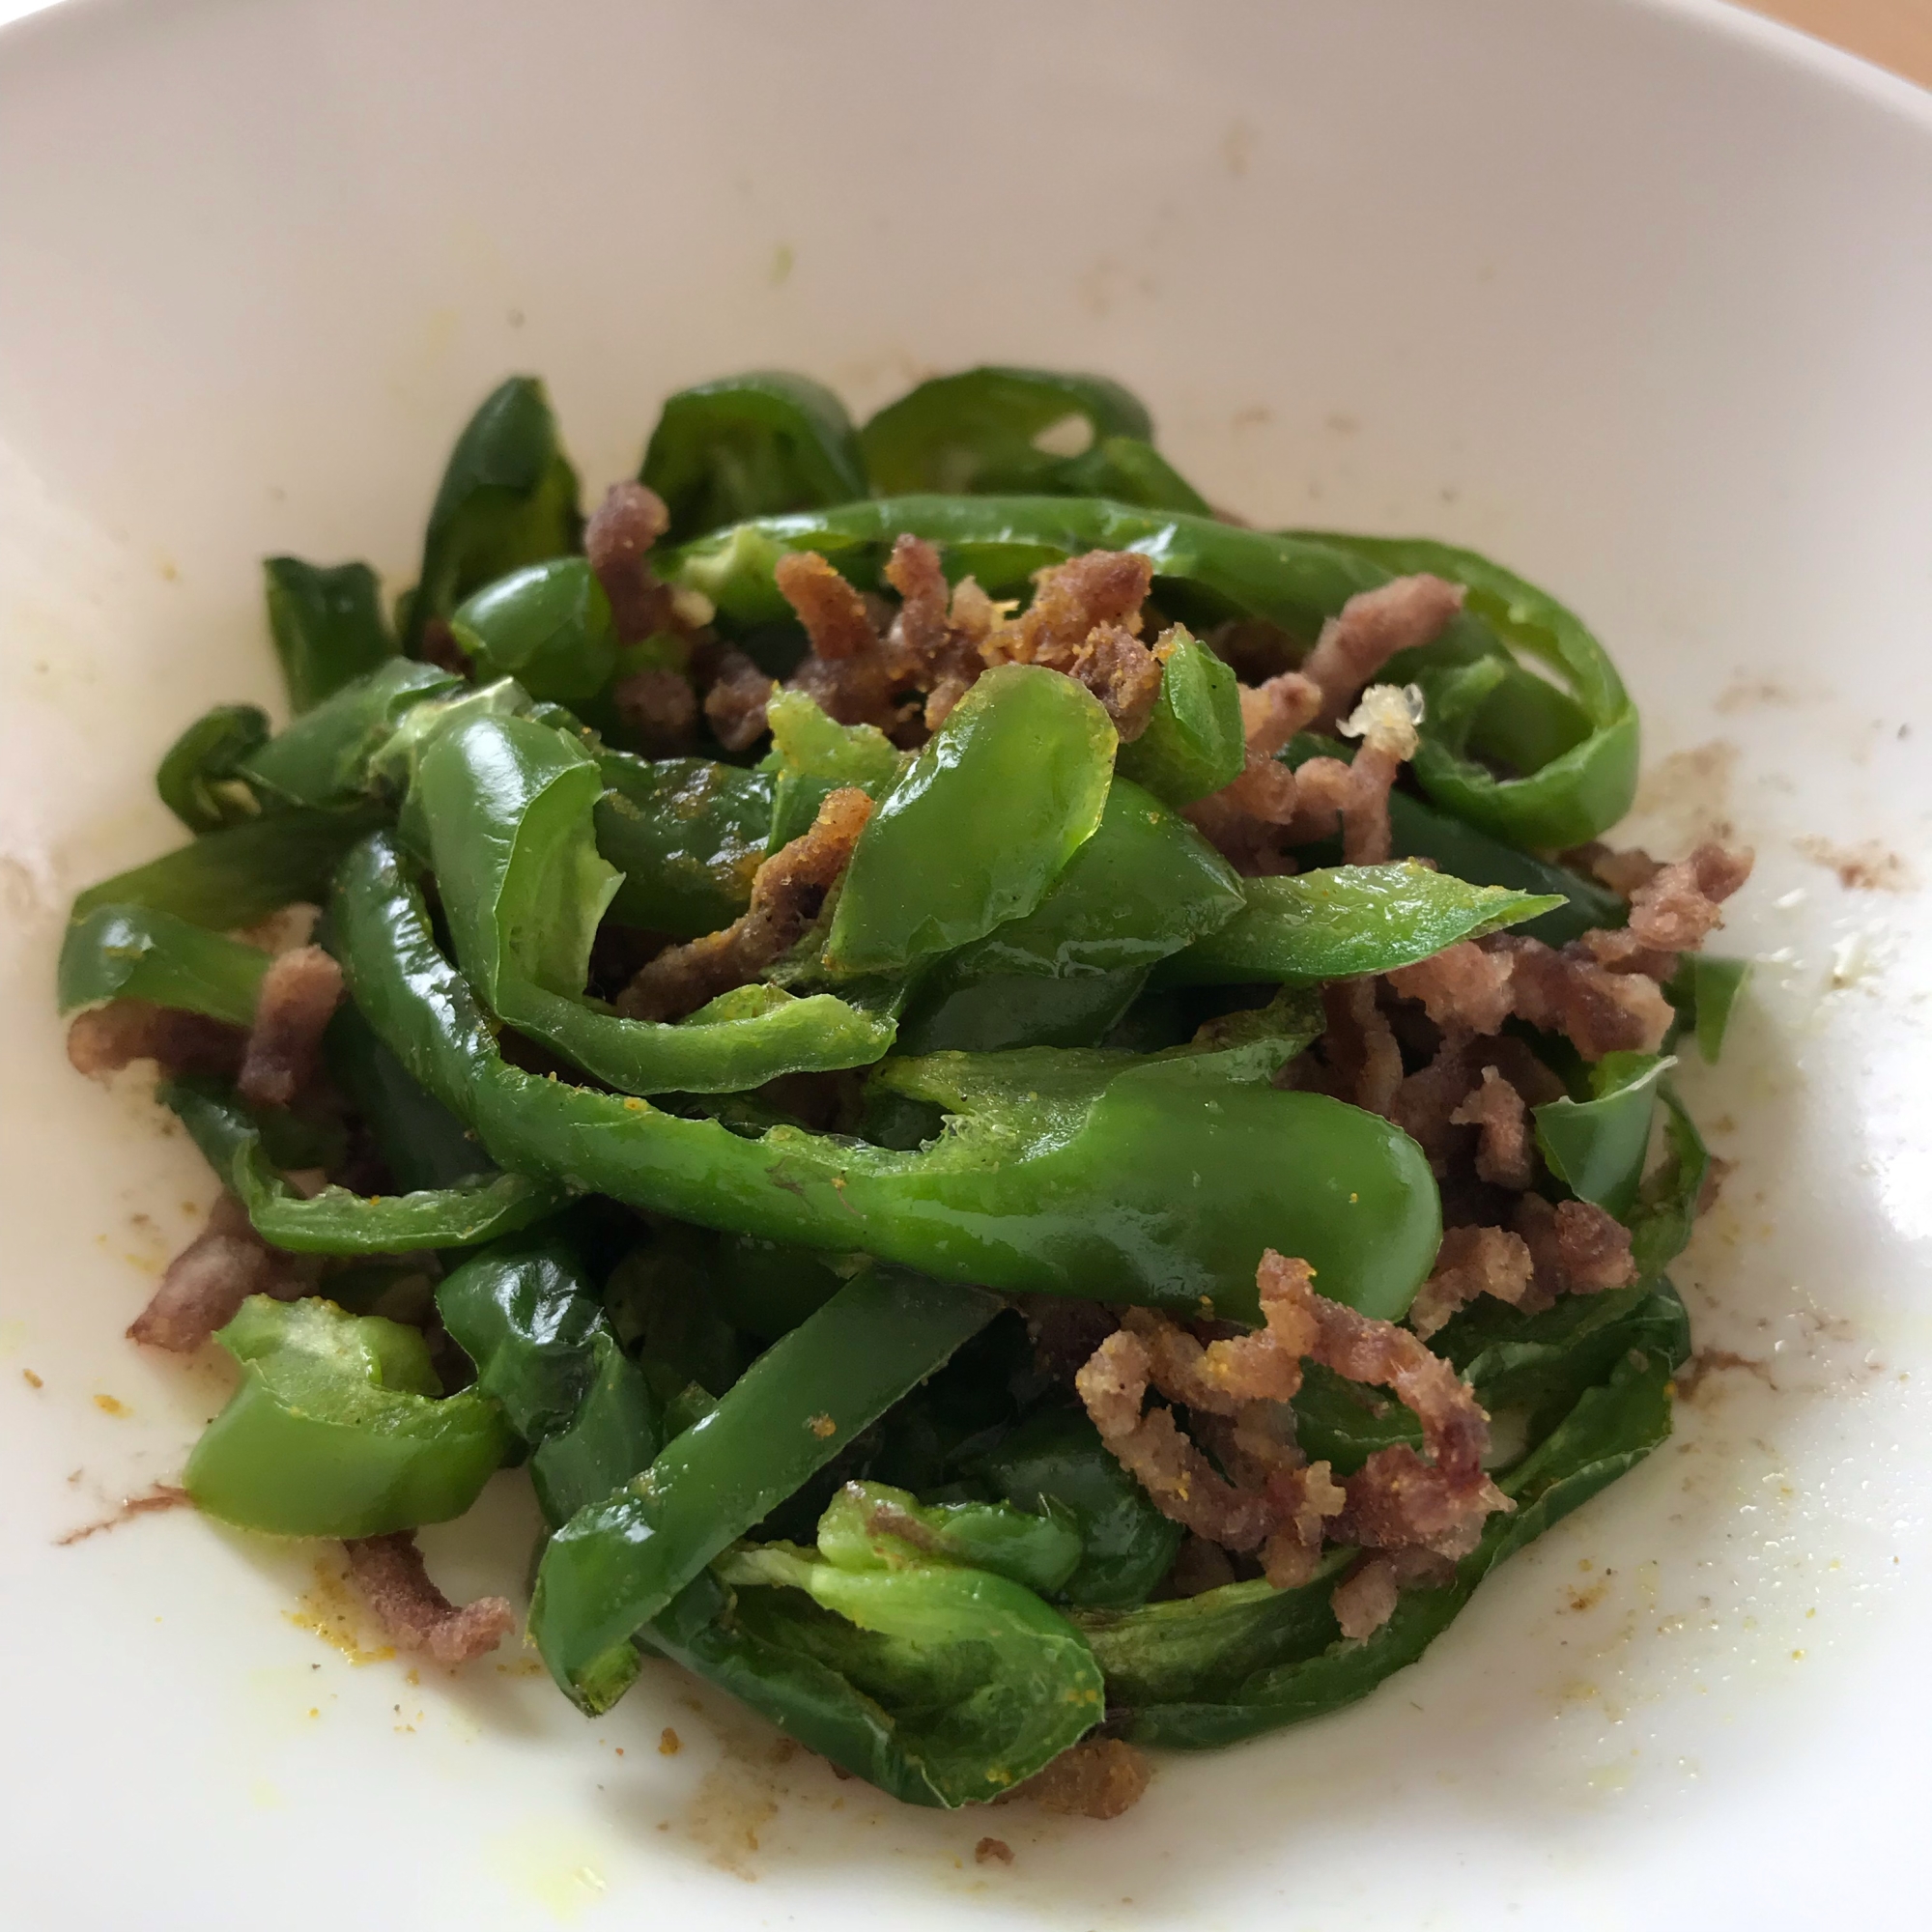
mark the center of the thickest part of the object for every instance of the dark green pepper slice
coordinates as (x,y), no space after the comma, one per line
(328,626)
(749,446)
(339,1427)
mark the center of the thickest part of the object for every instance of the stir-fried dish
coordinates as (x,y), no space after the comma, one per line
(1037,1114)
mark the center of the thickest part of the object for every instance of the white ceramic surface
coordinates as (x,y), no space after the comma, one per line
(1637,296)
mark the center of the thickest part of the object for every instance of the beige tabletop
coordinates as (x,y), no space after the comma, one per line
(1894,32)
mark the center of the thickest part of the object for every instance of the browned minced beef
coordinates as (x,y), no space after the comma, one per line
(1397,1500)
(788,892)
(853,673)
(1576,1247)
(660,706)
(1353,797)
(299,993)
(735,704)
(937,634)
(1476,984)
(1099,1778)
(213,1276)
(1359,1045)
(1122,673)
(617,541)
(1505,1155)
(1243,819)
(390,1573)
(1673,911)
(1070,601)
(104,1039)
(1373,626)
(1471,1261)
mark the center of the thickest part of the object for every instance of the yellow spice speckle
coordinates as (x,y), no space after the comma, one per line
(111,1405)
(669,1743)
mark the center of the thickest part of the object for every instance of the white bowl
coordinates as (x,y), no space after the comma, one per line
(1636,295)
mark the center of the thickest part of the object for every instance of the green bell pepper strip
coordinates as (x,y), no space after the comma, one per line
(546,1352)
(324,758)
(875,1526)
(981,431)
(1705,992)
(687,834)
(508,498)
(617,1563)
(986,819)
(985,1683)
(328,626)
(667,1314)
(1054,1460)
(1580,756)
(1421,831)
(1611,1429)
(1345,920)
(815,756)
(335,1221)
(1597,1147)
(767,1290)
(423,1144)
(1155,1181)
(1193,743)
(1666,1212)
(548,625)
(136,953)
(197,778)
(339,1427)
(749,446)
(509,805)
(1143,886)
(1215,570)
(242,873)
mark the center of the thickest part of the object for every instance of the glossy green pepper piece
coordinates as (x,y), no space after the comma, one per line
(986,1682)
(1421,831)
(1596,1147)
(1345,920)
(198,776)
(687,834)
(875,1526)
(1193,743)
(423,1144)
(324,758)
(546,1352)
(328,626)
(1141,887)
(988,813)
(509,805)
(1056,1459)
(1704,989)
(1666,1211)
(242,873)
(1158,1180)
(339,1427)
(548,625)
(335,1221)
(815,756)
(1009,429)
(136,952)
(749,446)
(619,1562)
(508,498)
